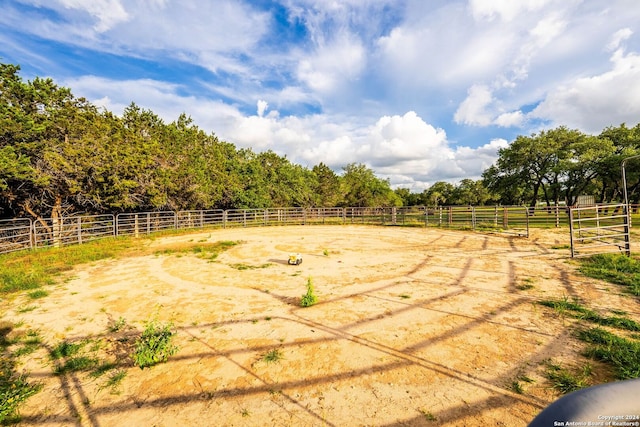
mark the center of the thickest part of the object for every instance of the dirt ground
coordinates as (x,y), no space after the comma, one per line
(413,327)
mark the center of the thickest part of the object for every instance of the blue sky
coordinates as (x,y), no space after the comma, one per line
(418,90)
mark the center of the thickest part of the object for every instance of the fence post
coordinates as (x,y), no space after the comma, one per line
(571,232)
(79,222)
(473,218)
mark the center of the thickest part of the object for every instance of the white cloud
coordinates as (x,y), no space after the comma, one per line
(108,13)
(512,119)
(473,110)
(619,36)
(593,103)
(506,10)
(331,66)
(262,107)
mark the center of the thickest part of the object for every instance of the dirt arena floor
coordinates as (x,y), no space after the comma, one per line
(413,327)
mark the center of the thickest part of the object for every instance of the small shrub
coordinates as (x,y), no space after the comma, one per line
(154,346)
(38,293)
(118,325)
(310,297)
(274,355)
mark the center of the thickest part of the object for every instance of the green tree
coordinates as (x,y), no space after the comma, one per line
(361,187)
(470,192)
(326,186)
(439,194)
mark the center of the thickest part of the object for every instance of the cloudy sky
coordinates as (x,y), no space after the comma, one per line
(418,90)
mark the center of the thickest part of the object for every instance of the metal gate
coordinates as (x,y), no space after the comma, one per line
(599,229)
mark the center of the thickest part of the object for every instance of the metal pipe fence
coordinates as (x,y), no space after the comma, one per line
(598,230)
(15,235)
(72,230)
(23,233)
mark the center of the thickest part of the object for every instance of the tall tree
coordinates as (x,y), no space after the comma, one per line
(326,186)
(362,188)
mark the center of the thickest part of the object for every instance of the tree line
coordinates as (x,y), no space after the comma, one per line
(551,167)
(60,154)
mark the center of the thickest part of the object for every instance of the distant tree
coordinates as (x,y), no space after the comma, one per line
(470,192)
(626,143)
(326,186)
(409,198)
(558,164)
(439,194)
(361,187)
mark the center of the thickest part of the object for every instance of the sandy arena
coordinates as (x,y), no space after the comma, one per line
(413,327)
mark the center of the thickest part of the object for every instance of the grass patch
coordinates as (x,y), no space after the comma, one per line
(31,343)
(38,293)
(565,380)
(577,311)
(615,268)
(114,381)
(207,251)
(405,296)
(75,364)
(23,271)
(310,297)
(65,349)
(249,267)
(154,345)
(102,369)
(26,308)
(620,353)
(516,384)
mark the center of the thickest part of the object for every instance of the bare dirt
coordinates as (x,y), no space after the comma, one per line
(413,327)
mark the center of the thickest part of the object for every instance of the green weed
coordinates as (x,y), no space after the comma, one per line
(14,389)
(114,381)
(577,311)
(615,268)
(38,293)
(405,296)
(154,345)
(31,343)
(310,297)
(565,380)
(65,349)
(208,251)
(75,364)
(428,415)
(272,356)
(621,353)
(102,369)
(118,325)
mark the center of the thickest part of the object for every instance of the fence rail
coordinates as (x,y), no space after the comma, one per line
(23,233)
(599,229)
(15,235)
